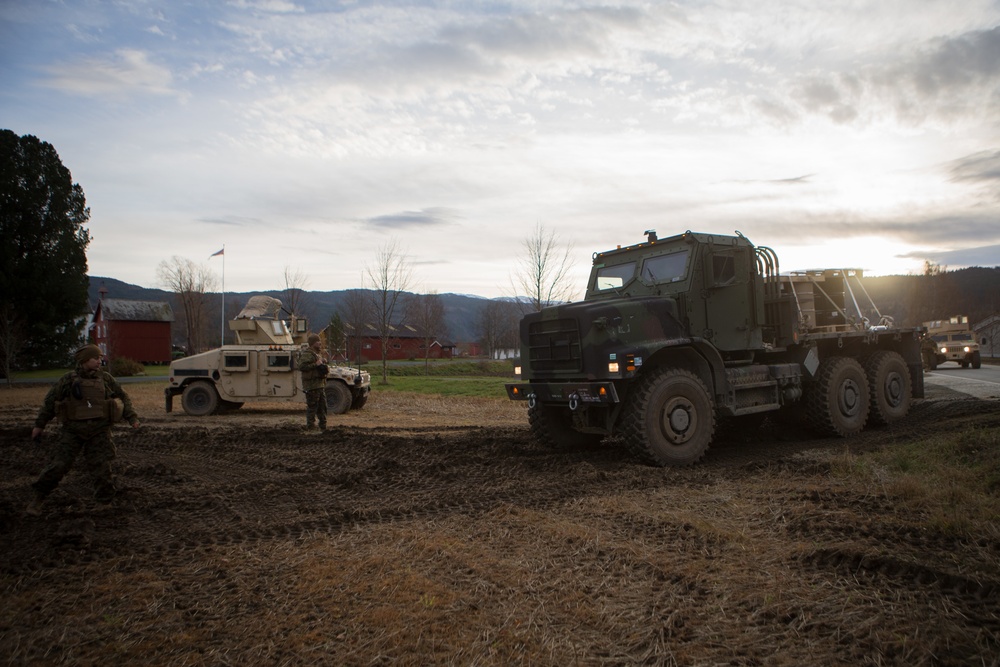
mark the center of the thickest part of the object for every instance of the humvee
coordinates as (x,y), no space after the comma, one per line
(260,366)
(955,342)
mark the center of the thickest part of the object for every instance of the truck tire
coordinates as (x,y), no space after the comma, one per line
(552,427)
(977,360)
(200,399)
(837,402)
(338,398)
(670,418)
(890,387)
(359,401)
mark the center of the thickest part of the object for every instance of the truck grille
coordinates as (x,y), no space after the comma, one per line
(554,346)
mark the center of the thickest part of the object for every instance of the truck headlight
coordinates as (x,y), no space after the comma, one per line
(613,367)
(517,371)
(966,348)
(944,350)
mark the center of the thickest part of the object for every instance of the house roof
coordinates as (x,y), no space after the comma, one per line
(135,311)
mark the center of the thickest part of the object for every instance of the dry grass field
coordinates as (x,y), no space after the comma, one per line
(422,531)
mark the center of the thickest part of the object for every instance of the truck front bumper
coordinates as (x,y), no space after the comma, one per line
(570,394)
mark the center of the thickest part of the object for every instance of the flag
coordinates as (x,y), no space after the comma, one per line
(216,254)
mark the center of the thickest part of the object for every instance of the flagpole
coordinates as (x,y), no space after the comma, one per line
(222,336)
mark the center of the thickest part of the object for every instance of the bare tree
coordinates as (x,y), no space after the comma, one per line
(356,313)
(191,283)
(389,278)
(498,322)
(544,274)
(425,312)
(294,296)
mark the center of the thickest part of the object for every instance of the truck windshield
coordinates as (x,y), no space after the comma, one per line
(613,277)
(665,268)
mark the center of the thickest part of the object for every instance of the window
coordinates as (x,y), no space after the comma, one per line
(279,362)
(723,269)
(665,268)
(235,361)
(613,277)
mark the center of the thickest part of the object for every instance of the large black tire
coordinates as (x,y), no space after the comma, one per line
(338,397)
(890,387)
(200,399)
(670,418)
(977,360)
(359,401)
(552,426)
(838,402)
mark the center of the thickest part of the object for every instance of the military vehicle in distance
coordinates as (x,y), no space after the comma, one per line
(261,366)
(955,342)
(676,333)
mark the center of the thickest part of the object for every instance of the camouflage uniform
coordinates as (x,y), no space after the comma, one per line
(81,431)
(313,368)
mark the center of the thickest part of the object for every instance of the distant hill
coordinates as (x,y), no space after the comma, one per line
(461,311)
(909,300)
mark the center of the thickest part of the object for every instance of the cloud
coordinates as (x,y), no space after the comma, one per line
(982,166)
(986,256)
(233,221)
(127,72)
(431,217)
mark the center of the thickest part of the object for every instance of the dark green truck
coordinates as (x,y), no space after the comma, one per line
(676,333)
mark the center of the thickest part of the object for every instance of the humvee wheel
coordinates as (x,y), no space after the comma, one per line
(977,360)
(338,398)
(199,399)
(552,427)
(671,418)
(837,403)
(889,387)
(359,401)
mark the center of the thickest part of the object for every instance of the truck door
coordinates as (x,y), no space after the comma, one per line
(275,376)
(730,302)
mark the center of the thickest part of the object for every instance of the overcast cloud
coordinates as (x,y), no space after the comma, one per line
(309,134)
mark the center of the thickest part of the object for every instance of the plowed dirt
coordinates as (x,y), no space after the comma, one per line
(421,531)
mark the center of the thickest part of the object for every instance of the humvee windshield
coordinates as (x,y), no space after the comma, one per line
(963,337)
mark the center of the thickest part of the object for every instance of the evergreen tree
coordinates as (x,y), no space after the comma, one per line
(43,260)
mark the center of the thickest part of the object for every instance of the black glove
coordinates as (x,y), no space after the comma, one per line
(322,370)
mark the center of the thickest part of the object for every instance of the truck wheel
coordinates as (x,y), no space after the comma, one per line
(977,360)
(837,403)
(338,398)
(889,386)
(359,401)
(671,418)
(552,427)
(199,399)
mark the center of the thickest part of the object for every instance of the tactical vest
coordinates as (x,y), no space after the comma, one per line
(87,400)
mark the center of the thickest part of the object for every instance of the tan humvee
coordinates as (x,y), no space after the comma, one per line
(261,366)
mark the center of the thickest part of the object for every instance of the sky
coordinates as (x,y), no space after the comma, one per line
(306,136)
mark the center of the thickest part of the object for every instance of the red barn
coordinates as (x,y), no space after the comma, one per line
(136,330)
(405,342)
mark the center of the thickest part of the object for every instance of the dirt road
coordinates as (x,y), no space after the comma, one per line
(414,536)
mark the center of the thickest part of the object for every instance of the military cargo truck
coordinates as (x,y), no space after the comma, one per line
(955,342)
(678,333)
(260,366)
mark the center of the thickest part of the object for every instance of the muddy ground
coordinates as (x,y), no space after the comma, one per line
(436,532)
